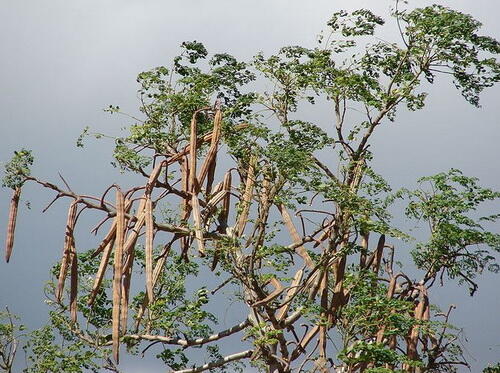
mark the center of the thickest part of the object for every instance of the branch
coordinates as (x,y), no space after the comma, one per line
(218,363)
(190,342)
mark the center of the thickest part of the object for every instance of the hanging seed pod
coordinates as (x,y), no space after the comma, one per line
(111,233)
(211,158)
(247,197)
(125,295)
(129,245)
(378,253)
(101,270)
(197,224)
(292,290)
(74,284)
(117,286)
(149,248)
(295,236)
(226,204)
(68,244)
(11,225)
(192,156)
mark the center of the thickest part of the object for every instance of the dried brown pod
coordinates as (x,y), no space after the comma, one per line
(11,225)
(295,236)
(111,233)
(378,253)
(117,278)
(291,292)
(125,295)
(193,184)
(226,204)
(208,165)
(247,197)
(197,224)
(102,269)
(68,243)
(73,308)
(149,248)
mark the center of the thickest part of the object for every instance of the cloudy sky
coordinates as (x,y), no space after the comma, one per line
(63,61)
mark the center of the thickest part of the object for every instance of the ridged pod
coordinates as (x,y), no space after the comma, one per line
(67,250)
(117,278)
(11,225)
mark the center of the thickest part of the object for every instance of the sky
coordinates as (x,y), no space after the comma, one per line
(62,62)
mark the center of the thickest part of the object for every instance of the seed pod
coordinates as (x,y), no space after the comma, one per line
(11,225)
(67,249)
(101,270)
(117,286)
(192,156)
(247,197)
(208,166)
(149,248)
(295,236)
(74,284)
(197,224)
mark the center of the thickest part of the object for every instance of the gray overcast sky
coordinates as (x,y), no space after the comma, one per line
(63,61)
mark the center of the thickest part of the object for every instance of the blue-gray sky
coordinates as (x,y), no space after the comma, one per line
(63,61)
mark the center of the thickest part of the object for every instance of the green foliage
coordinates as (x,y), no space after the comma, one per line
(46,354)
(448,39)
(492,369)
(17,169)
(369,309)
(459,243)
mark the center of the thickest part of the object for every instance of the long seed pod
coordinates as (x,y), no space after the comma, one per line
(111,233)
(192,155)
(197,224)
(418,315)
(291,292)
(11,225)
(149,248)
(185,207)
(390,293)
(68,243)
(129,245)
(300,250)
(226,203)
(117,279)
(378,253)
(211,177)
(125,295)
(211,158)
(129,254)
(74,284)
(247,197)
(364,249)
(101,270)
(154,176)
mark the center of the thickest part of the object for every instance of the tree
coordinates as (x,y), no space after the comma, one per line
(288,215)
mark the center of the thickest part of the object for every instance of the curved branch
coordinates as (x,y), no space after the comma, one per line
(218,363)
(190,342)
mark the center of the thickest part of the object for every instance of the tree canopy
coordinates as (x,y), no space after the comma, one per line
(245,188)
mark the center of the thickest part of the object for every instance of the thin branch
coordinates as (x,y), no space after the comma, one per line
(218,363)
(190,342)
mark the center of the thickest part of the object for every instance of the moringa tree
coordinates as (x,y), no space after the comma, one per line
(287,215)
